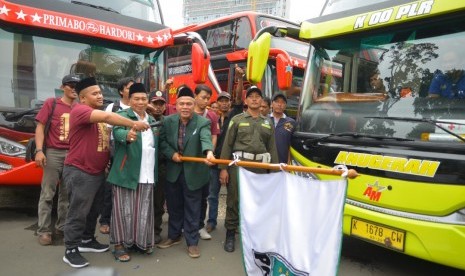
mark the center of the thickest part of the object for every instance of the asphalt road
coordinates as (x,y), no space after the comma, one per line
(21,254)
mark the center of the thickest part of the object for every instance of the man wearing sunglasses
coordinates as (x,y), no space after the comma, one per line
(57,144)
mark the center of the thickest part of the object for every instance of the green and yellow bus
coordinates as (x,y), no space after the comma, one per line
(383,93)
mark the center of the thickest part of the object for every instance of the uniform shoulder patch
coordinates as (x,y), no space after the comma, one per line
(231,123)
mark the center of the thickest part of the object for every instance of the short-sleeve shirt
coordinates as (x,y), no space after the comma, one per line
(58,133)
(109,108)
(236,109)
(443,86)
(170,109)
(248,134)
(89,142)
(210,115)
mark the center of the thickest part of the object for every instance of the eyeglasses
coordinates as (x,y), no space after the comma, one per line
(71,85)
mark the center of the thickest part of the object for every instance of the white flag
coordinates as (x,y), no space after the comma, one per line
(290,225)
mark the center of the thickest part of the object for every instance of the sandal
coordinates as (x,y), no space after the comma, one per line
(121,254)
(148,251)
(104,229)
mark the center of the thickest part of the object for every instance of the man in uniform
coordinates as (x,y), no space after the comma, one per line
(284,127)
(250,136)
(157,108)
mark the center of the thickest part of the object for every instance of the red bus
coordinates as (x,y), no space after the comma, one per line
(41,41)
(227,39)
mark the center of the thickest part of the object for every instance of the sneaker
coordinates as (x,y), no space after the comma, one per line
(193,251)
(93,246)
(204,234)
(74,258)
(169,242)
(45,239)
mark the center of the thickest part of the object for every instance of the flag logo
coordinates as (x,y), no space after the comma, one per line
(271,263)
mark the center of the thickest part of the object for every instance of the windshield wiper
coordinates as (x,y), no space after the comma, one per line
(95,6)
(423,120)
(354,135)
(17,115)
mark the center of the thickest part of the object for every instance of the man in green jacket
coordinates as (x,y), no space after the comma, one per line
(185,134)
(133,175)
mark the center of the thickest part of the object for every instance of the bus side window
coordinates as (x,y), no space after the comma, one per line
(243,34)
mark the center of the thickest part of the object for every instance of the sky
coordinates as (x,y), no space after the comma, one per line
(299,10)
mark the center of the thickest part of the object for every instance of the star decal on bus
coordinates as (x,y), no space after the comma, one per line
(288,68)
(150,39)
(21,15)
(159,39)
(36,18)
(140,37)
(4,10)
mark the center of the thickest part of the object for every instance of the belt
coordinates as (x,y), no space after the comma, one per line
(264,157)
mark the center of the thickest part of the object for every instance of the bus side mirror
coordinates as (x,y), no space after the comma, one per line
(257,57)
(200,63)
(283,71)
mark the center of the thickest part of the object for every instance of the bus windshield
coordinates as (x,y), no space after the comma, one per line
(147,10)
(33,66)
(406,83)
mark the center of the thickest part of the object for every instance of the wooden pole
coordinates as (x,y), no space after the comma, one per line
(351,173)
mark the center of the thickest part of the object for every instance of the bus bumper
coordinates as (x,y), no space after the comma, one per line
(16,172)
(436,242)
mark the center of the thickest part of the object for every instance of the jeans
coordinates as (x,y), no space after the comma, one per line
(85,201)
(213,196)
(203,205)
(50,182)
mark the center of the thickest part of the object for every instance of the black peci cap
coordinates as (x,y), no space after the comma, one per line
(84,83)
(137,88)
(184,91)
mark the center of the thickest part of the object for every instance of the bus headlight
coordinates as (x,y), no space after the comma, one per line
(11,148)
(303,174)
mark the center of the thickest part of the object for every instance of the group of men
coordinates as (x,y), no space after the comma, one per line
(79,138)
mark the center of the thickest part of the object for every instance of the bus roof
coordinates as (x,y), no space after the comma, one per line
(249,14)
(382,14)
(56,16)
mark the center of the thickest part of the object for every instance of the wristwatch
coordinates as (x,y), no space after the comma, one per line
(37,150)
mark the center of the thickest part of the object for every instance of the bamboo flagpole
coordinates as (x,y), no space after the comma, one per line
(350,173)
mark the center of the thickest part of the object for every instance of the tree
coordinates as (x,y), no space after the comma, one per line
(405,64)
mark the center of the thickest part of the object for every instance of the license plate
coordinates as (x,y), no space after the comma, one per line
(378,234)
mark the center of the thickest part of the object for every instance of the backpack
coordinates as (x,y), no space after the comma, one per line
(116,106)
